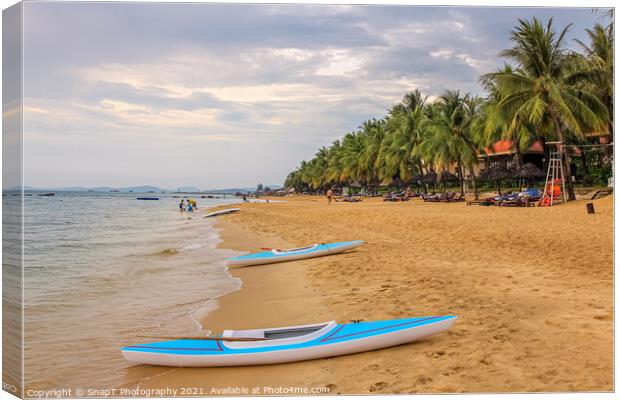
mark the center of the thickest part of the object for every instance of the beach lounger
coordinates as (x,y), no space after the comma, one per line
(456,198)
(597,194)
(483,202)
(519,201)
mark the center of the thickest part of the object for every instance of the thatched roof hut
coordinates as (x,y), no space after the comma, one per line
(430,178)
(529,171)
(446,177)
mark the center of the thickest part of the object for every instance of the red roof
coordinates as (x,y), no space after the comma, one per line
(505,147)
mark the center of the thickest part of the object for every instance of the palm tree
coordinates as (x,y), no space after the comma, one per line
(352,152)
(451,139)
(494,121)
(404,133)
(538,93)
(596,73)
(373,135)
(334,163)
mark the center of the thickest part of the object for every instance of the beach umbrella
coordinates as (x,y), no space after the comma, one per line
(417,179)
(528,171)
(446,177)
(430,179)
(398,182)
(496,173)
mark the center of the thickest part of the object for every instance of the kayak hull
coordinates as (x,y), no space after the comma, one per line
(333,340)
(275,256)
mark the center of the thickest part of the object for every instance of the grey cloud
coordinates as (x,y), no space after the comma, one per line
(259,84)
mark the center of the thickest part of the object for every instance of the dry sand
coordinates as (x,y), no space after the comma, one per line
(532,287)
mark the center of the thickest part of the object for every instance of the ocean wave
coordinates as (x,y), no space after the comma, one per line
(193,246)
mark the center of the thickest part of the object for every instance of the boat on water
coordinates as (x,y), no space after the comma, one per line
(286,344)
(222,212)
(275,255)
(147,198)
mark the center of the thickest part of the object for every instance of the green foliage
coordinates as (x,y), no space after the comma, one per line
(543,92)
(600,175)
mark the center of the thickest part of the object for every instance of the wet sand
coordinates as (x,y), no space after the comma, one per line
(532,287)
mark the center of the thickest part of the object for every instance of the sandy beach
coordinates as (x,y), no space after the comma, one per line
(532,287)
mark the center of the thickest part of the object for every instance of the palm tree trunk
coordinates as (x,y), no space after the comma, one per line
(543,142)
(473,181)
(519,156)
(584,161)
(462,177)
(610,110)
(565,161)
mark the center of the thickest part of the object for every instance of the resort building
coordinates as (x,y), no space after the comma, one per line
(504,154)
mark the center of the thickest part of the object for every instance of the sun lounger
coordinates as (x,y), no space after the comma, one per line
(456,198)
(519,201)
(483,202)
(597,194)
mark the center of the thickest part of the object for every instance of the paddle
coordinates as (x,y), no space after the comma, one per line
(227,339)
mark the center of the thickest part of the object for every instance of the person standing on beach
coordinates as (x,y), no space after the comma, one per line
(329,195)
(182,205)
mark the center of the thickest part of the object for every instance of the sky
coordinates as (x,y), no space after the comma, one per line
(224,95)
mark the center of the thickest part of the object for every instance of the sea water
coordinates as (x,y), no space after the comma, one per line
(101,269)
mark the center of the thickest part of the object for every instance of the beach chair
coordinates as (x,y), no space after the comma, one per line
(483,202)
(520,201)
(456,198)
(599,193)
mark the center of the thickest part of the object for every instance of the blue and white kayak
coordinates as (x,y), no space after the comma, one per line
(222,212)
(275,255)
(288,344)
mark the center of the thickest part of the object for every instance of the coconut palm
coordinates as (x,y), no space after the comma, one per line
(597,71)
(495,119)
(404,133)
(352,152)
(538,93)
(451,139)
(373,137)
(334,163)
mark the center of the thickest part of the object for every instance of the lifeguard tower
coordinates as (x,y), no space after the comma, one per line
(555,185)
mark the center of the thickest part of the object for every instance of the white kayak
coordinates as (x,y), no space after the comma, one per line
(275,255)
(287,344)
(222,212)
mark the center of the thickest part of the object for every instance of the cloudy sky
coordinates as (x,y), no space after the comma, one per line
(227,95)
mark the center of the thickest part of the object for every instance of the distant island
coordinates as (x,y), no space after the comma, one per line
(142,189)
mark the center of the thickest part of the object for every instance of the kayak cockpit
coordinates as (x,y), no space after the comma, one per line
(291,333)
(296,250)
(279,336)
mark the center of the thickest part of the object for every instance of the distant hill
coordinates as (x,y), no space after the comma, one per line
(145,189)
(242,190)
(138,189)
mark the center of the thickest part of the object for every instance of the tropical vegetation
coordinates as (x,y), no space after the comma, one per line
(543,93)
